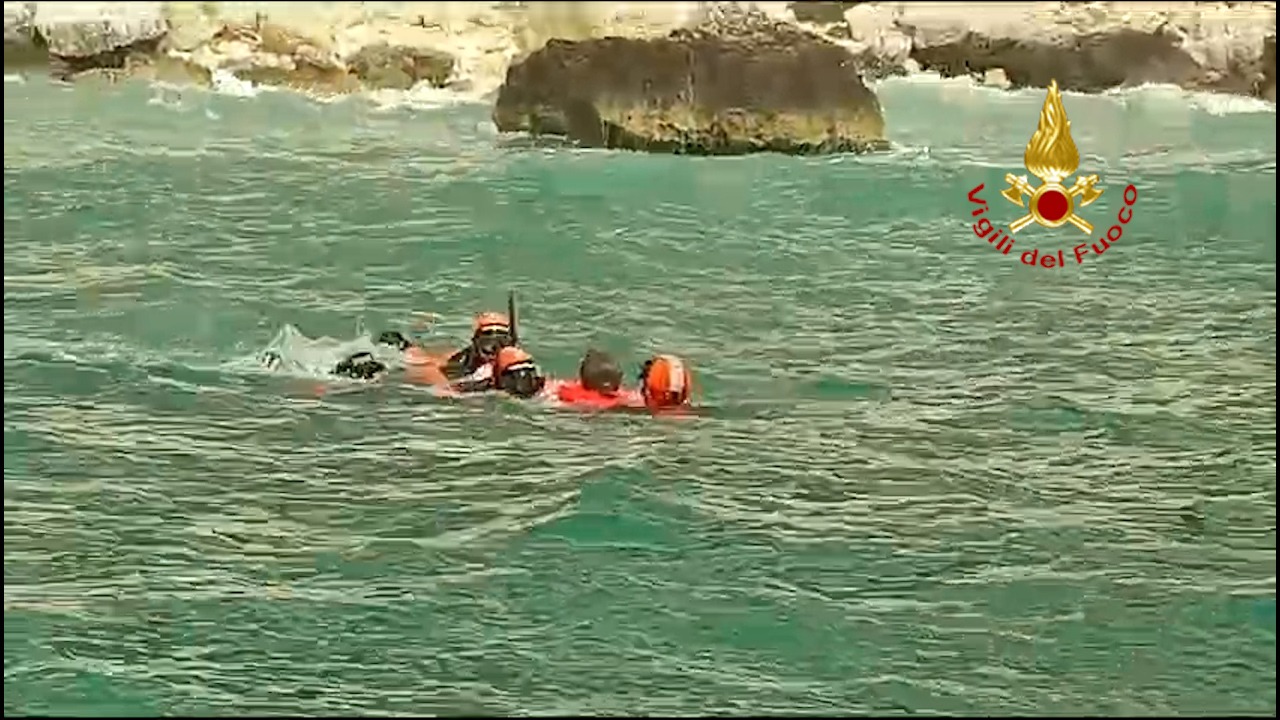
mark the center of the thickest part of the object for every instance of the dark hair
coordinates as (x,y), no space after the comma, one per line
(600,372)
(361,366)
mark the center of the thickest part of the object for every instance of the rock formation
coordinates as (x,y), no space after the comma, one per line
(77,39)
(1267,87)
(400,67)
(738,83)
(343,46)
(1086,46)
(20,46)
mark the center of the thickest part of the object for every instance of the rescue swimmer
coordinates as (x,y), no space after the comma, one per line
(663,383)
(490,333)
(493,360)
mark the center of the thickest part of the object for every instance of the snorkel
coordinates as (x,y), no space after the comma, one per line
(511,317)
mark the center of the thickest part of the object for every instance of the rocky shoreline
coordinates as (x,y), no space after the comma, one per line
(339,47)
(705,77)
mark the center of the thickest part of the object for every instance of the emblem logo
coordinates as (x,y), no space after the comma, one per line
(1052,157)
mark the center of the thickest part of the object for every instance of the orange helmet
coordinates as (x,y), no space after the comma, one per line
(491,332)
(491,321)
(666,381)
(516,373)
(511,358)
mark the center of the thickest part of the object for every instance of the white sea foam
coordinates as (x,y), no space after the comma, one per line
(1212,103)
(316,357)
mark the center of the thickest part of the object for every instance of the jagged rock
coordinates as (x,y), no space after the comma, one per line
(871,35)
(88,29)
(1087,63)
(173,70)
(739,82)
(22,46)
(1266,88)
(78,37)
(1091,47)
(268,54)
(400,67)
(18,23)
(822,13)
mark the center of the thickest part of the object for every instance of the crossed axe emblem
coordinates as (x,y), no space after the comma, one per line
(1083,189)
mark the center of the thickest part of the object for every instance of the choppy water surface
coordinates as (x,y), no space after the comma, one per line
(928,478)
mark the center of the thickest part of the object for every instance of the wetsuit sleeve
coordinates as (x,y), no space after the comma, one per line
(478,381)
(459,365)
(470,386)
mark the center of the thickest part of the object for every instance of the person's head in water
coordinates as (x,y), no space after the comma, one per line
(490,333)
(361,366)
(665,382)
(395,339)
(600,373)
(517,374)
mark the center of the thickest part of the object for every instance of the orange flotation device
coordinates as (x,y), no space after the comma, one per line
(574,394)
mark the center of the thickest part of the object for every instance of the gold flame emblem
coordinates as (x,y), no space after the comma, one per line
(1052,156)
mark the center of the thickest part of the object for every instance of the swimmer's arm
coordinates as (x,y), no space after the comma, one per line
(426,374)
(468,386)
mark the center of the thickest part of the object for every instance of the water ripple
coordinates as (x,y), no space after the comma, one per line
(927,479)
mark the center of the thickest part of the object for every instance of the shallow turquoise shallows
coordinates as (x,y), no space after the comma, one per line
(927,478)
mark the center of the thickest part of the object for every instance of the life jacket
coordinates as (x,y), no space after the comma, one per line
(574,394)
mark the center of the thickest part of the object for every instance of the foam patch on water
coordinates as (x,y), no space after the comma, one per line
(226,83)
(1218,104)
(305,356)
(422,97)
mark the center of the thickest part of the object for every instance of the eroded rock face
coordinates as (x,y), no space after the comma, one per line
(73,37)
(1266,88)
(1087,47)
(111,41)
(83,30)
(738,83)
(340,47)
(821,13)
(22,47)
(268,54)
(400,67)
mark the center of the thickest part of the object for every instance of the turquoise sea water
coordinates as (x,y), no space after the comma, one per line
(927,478)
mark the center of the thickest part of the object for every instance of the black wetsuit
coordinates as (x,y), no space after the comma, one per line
(463,363)
(360,366)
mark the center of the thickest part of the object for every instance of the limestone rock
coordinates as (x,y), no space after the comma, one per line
(268,54)
(88,29)
(820,13)
(1266,88)
(873,37)
(22,47)
(400,67)
(737,83)
(18,22)
(1095,46)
